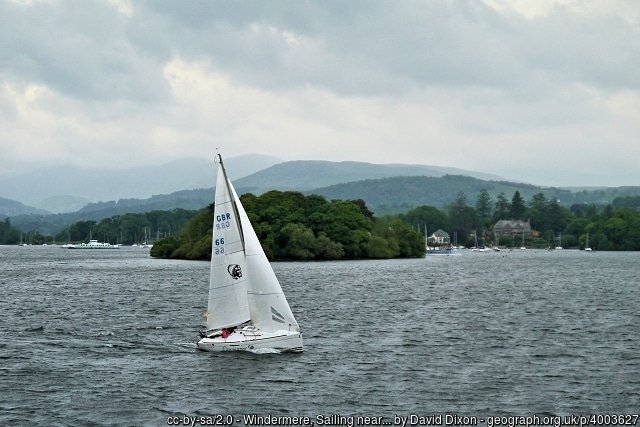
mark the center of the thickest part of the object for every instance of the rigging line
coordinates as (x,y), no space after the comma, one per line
(233,201)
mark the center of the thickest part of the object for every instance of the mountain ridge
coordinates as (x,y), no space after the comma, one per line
(9,207)
(321,173)
(94,184)
(383,195)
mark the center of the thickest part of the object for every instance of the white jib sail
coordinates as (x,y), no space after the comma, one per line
(268,306)
(228,304)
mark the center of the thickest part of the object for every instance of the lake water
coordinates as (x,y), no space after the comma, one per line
(96,338)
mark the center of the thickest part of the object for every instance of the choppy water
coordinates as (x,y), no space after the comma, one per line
(97,338)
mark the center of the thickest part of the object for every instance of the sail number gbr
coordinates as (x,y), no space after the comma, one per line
(223,221)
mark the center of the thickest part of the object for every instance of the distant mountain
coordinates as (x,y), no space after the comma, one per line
(53,223)
(307,174)
(241,166)
(62,204)
(10,208)
(185,199)
(384,195)
(43,187)
(398,194)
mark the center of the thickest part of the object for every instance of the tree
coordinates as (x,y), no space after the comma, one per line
(298,242)
(556,216)
(8,234)
(432,217)
(326,248)
(401,239)
(502,208)
(517,206)
(484,206)
(462,217)
(537,211)
(291,225)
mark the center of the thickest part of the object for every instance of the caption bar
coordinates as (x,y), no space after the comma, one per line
(439,420)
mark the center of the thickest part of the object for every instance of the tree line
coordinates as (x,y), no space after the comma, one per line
(126,229)
(297,227)
(614,226)
(292,226)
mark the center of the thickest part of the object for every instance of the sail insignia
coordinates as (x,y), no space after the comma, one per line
(235,271)
(275,316)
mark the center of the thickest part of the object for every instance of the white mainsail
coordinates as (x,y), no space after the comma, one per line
(228,304)
(243,286)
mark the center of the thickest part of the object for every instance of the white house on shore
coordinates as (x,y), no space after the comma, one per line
(439,237)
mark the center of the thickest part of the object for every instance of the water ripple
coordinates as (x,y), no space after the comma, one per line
(109,339)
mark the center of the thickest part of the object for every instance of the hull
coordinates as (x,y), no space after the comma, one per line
(92,247)
(243,340)
(93,244)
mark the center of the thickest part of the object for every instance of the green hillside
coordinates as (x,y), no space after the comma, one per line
(52,224)
(399,194)
(307,174)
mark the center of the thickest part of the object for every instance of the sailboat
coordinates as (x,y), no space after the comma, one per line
(496,245)
(586,246)
(426,239)
(477,248)
(247,309)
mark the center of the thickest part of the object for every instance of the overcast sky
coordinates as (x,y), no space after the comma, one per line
(544,91)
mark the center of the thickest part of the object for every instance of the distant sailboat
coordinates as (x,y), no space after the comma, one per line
(247,309)
(68,245)
(523,247)
(559,242)
(426,238)
(586,246)
(477,248)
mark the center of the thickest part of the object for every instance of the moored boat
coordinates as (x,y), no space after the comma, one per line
(93,244)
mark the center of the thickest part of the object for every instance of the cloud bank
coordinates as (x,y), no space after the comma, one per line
(546,92)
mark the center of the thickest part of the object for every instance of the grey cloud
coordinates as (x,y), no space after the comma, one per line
(477,72)
(378,47)
(78,51)
(351,47)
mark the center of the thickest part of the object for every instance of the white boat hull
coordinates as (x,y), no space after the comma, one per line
(241,340)
(93,244)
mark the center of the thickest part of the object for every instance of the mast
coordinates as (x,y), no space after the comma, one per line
(233,202)
(426,236)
